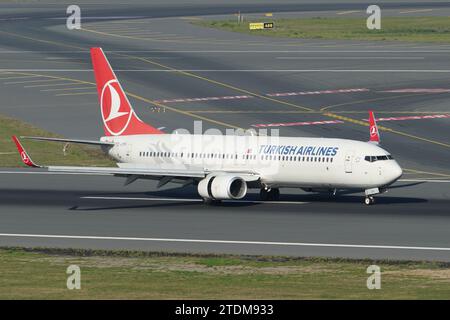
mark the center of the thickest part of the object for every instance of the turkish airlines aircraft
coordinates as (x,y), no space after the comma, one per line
(226,166)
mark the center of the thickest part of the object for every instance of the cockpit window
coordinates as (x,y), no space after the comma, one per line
(378,158)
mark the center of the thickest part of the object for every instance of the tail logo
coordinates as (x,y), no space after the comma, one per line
(373,131)
(116,113)
(24,156)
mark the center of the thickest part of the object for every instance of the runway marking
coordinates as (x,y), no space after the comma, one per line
(292,124)
(49,85)
(31,81)
(66,89)
(364,123)
(350,58)
(429,173)
(425,180)
(227,51)
(433,116)
(240,242)
(19,77)
(301,93)
(347,12)
(74,94)
(371,100)
(191,200)
(419,90)
(242,70)
(225,85)
(203,99)
(416,11)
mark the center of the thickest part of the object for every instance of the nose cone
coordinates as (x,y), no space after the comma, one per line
(396,172)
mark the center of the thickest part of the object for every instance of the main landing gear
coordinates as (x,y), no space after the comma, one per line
(271,194)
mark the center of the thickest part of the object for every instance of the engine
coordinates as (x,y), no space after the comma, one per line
(222,187)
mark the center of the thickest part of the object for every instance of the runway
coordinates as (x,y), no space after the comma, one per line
(227,80)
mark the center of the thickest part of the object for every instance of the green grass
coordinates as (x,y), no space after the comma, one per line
(44,152)
(41,274)
(417,29)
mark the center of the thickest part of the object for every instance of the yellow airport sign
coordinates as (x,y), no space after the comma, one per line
(260,25)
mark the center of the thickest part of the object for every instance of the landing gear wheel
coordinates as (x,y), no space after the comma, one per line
(270,195)
(369,200)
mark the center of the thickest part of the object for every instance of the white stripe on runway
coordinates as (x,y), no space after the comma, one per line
(191,200)
(242,70)
(350,58)
(424,180)
(244,242)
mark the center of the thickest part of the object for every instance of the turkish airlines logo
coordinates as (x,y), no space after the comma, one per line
(373,131)
(116,112)
(24,156)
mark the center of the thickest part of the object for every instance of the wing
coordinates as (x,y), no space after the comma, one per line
(91,142)
(132,173)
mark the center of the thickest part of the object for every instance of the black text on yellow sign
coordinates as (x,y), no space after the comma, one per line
(260,25)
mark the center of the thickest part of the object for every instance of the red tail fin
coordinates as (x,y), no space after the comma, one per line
(374,134)
(118,116)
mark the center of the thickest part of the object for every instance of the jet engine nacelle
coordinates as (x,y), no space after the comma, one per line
(222,187)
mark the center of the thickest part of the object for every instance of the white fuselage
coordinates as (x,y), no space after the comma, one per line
(279,161)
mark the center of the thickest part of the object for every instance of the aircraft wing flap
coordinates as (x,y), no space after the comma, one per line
(129,171)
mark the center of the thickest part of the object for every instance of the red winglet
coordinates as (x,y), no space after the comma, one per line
(374,134)
(23,154)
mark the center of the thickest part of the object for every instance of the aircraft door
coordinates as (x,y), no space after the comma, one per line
(348,162)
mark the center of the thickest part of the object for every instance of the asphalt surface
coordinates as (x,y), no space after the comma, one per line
(46,79)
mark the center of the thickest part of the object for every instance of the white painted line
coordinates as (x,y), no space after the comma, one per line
(238,51)
(424,180)
(302,93)
(418,90)
(350,58)
(416,11)
(203,99)
(347,12)
(432,116)
(293,124)
(241,242)
(143,199)
(190,200)
(242,70)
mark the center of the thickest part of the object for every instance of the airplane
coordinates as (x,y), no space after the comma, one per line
(225,167)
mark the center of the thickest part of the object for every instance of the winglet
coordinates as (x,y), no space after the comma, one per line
(23,154)
(374,134)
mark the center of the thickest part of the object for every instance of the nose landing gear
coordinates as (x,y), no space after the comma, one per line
(369,200)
